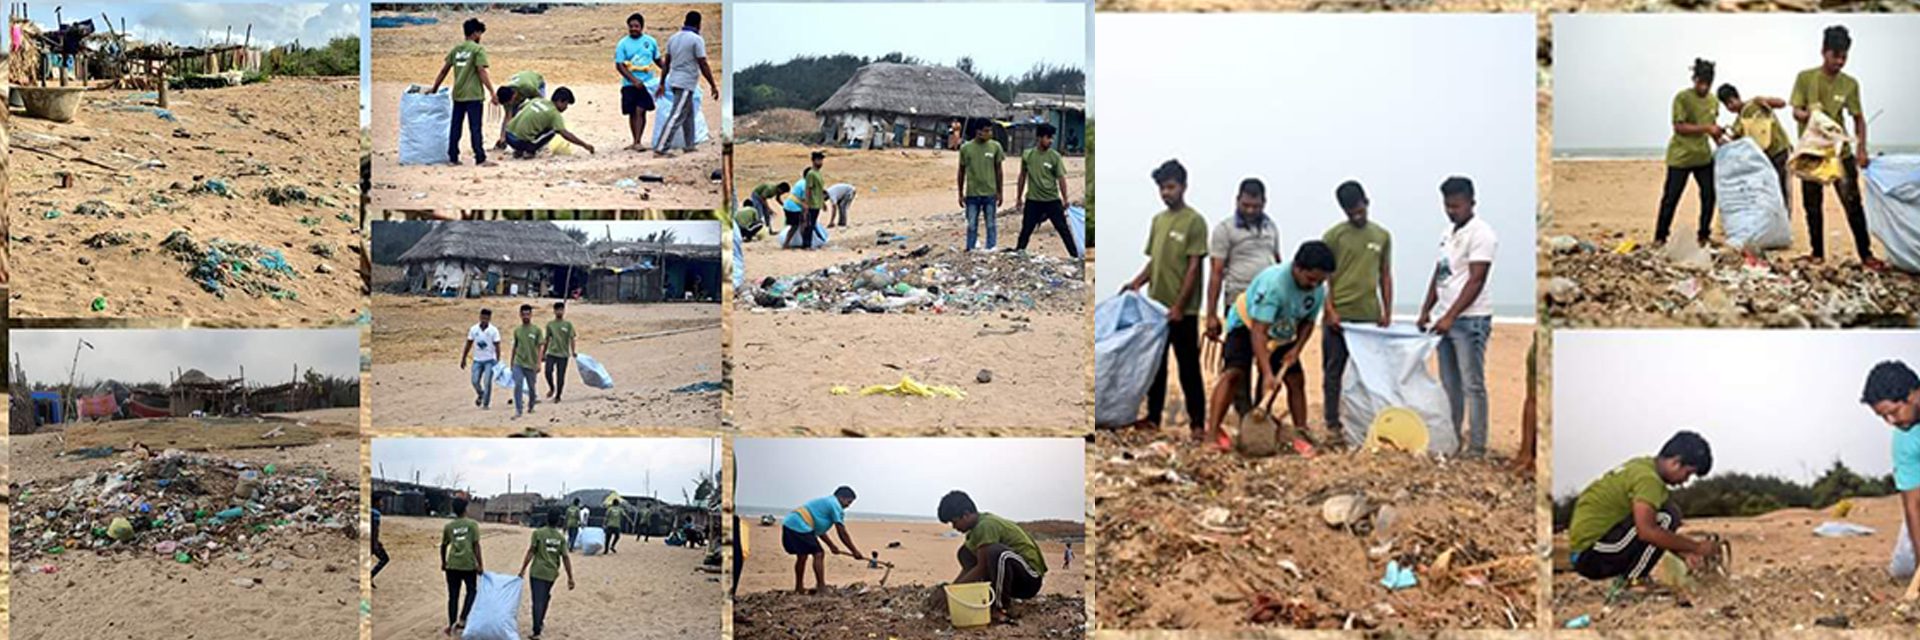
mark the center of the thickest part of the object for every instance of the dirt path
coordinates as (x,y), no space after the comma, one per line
(1783,577)
(1193,539)
(417,380)
(647,591)
(101,238)
(570,46)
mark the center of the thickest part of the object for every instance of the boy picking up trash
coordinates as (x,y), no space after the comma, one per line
(995,551)
(1623,522)
(806,527)
(1268,325)
(1893,392)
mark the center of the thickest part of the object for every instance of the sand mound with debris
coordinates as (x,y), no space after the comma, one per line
(1637,286)
(930,280)
(1197,539)
(180,507)
(911,611)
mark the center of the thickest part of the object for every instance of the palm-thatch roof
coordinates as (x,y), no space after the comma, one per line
(620,255)
(926,90)
(521,243)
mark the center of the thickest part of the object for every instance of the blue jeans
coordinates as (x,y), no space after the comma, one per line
(472,112)
(483,382)
(1463,371)
(523,378)
(981,207)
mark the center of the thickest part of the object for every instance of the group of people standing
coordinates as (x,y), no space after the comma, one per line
(1272,305)
(1824,89)
(534,347)
(532,119)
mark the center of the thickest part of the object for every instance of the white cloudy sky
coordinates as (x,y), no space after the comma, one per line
(1785,403)
(149,355)
(1614,76)
(1306,101)
(545,465)
(689,231)
(1004,39)
(1020,478)
(192,24)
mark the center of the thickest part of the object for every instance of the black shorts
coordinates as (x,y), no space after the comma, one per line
(795,219)
(799,544)
(632,97)
(1238,353)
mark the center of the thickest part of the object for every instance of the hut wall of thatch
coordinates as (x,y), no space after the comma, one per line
(495,258)
(901,105)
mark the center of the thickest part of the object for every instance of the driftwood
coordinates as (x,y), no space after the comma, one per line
(658,334)
(116,170)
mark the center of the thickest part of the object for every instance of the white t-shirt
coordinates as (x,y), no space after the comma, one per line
(1472,242)
(486,342)
(684,51)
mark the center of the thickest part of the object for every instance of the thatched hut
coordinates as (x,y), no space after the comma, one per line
(626,271)
(194,391)
(1065,111)
(888,104)
(472,259)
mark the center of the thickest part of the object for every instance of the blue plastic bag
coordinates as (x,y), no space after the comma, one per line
(503,374)
(1129,345)
(496,609)
(739,260)
(819,235)
(1077,221)
(424,119)
(663,107)
(592,373)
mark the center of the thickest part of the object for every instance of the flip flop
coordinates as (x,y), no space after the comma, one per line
(1302,447)
(1224,443)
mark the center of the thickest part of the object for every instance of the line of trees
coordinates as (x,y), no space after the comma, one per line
(340,57)
(806,81)
(1742,495)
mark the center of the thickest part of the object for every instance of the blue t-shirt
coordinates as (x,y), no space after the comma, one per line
(1276,299)
(1906,458)
(637,53)
(826,513)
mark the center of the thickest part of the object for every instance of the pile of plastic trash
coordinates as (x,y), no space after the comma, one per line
(931,281)
(183,507)
(221,264)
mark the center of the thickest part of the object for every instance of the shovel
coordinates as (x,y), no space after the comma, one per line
(1261,440)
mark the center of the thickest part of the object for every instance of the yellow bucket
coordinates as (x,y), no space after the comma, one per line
(1398,428)
(970,604)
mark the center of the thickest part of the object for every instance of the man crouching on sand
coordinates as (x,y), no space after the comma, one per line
(996,551)
(538,121)
(1624,521)
(806,527)
(1893,392)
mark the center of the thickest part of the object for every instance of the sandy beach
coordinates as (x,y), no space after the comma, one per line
(416,352)
(646,591)
(281,151)
(299,579)
(787,361)
(570,46)
(1782,577)
(925,557)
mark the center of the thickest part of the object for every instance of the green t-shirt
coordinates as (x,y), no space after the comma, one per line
(1609,500)
(535,118)
(527,84)
(1777,142)
(615,517)
(767,191)
(1177,236)
(1044,169)
(548,545)
(573,517)
(560,339)
(979,160)
(467,59)
(1686,151)
(1357,254)
(460,537)
(992,529)
(745,217)
(816,189)
(1835,96)
(526,346)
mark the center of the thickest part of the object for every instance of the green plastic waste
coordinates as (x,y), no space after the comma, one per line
(271,469)
(120,530)
(182,557)
(99,304)
(56,550)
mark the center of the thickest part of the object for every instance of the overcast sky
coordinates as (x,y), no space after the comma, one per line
(1399,102)
(1614,76)
(688,231)
(1785,403)
(542,465)
(193,24)
(149,355)
(1004,39)
(1020,478)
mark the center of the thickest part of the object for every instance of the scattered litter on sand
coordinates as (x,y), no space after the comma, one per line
(1192,538)
(220,264)
(932,280)
(182,506)
(863,611)
(1632,285)
(907,386)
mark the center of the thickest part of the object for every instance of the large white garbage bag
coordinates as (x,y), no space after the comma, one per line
(591,540)
(1388,368)
(496,609)
(1751,207)
(1129,344)
(1890,189)
(424,120)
